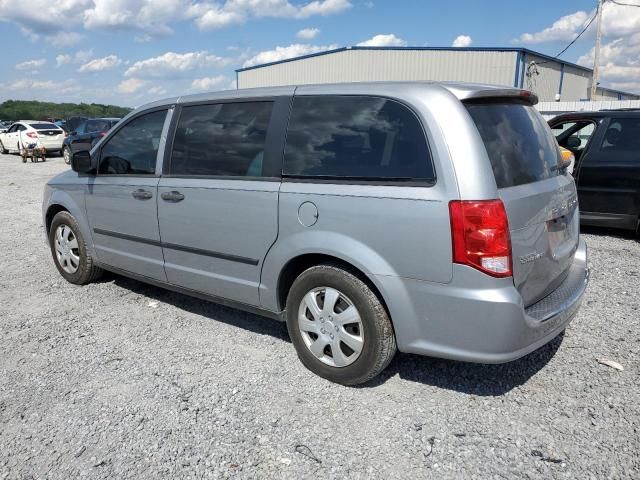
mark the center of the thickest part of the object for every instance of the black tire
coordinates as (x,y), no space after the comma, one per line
(3,150)
(67,159)
(87,271)
(379,344)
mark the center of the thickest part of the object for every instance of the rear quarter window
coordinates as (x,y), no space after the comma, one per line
(356,138)
(519,143)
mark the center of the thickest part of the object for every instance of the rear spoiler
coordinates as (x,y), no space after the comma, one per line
(500,94)
(478,92)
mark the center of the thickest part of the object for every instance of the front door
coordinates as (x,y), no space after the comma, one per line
(609,175)
(122,199)
(218,199)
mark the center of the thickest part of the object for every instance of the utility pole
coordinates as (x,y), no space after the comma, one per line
(596,52)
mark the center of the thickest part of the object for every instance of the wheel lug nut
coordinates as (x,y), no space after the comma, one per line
(336,327)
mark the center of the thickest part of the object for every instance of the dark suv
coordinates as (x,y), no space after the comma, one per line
(606,145)
(86,135)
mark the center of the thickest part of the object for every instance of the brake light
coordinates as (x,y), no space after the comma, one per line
(32,134)
(480,236)
(102,134)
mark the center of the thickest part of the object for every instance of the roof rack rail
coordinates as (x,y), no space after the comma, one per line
(628,109)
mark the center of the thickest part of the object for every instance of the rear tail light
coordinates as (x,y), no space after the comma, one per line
(480,236)
(31,134)
(102,134)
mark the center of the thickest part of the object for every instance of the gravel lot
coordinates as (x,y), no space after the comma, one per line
(123,380)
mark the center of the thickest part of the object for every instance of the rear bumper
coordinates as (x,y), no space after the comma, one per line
(480,319)
(50,144)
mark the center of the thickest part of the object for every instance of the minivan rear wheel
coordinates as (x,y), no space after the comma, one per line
(69,251)
(338,326)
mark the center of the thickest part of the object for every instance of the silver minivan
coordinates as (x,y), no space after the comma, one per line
(431,218)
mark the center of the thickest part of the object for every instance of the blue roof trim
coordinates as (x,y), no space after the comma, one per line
(520,50)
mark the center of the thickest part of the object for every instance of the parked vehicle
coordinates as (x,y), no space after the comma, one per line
(431,218)
(26,132)
(72,123)
(606,146)
(86,135)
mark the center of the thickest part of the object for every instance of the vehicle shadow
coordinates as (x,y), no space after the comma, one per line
(471,378)
(210,310)
(610,232)
(464,377)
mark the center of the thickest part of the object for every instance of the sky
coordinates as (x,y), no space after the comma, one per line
(129,52)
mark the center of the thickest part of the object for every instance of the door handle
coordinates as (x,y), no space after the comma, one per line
(141,194)
(172,196)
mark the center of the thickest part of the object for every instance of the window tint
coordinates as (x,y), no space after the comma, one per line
(356,138)
(576,131)
(81,128)
(44,126)
(622,135)
(97,126)
(225,139)
(134,148)
(519,142)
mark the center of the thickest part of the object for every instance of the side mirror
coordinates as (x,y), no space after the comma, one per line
(573,142)
(81,162)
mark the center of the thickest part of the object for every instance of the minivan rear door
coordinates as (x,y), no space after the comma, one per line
(218,197)
(540,200)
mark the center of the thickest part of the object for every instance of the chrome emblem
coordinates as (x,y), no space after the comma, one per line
(531,257)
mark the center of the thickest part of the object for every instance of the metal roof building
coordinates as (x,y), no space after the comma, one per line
(518,67)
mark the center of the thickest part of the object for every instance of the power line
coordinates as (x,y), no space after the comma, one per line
(622,4)
(580,34)
(529,72)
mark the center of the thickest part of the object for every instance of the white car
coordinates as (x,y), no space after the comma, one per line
(29,132)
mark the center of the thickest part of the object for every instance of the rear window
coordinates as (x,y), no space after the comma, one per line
(519,142)
(44,126)
(356,138)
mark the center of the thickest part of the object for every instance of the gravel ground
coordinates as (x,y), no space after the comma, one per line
(123,380)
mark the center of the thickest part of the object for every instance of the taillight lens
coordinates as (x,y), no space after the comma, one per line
(480,236)
(32,134)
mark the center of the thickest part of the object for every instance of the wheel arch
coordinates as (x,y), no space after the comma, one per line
(51,212)
(69,201)
(296,265)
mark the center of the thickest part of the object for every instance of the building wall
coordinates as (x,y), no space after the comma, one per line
(511,68)
(553,109)
(606,94)
(546,83)
(492,67)
(575,84)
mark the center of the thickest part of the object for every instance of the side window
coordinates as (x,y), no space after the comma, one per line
(225,139)
(622,135)
(81,128)
(21,128)
(14,128)
(134,148)
(357,138)
(574,135)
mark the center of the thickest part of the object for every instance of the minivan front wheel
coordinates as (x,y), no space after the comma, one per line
(338,326)
(69,251)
